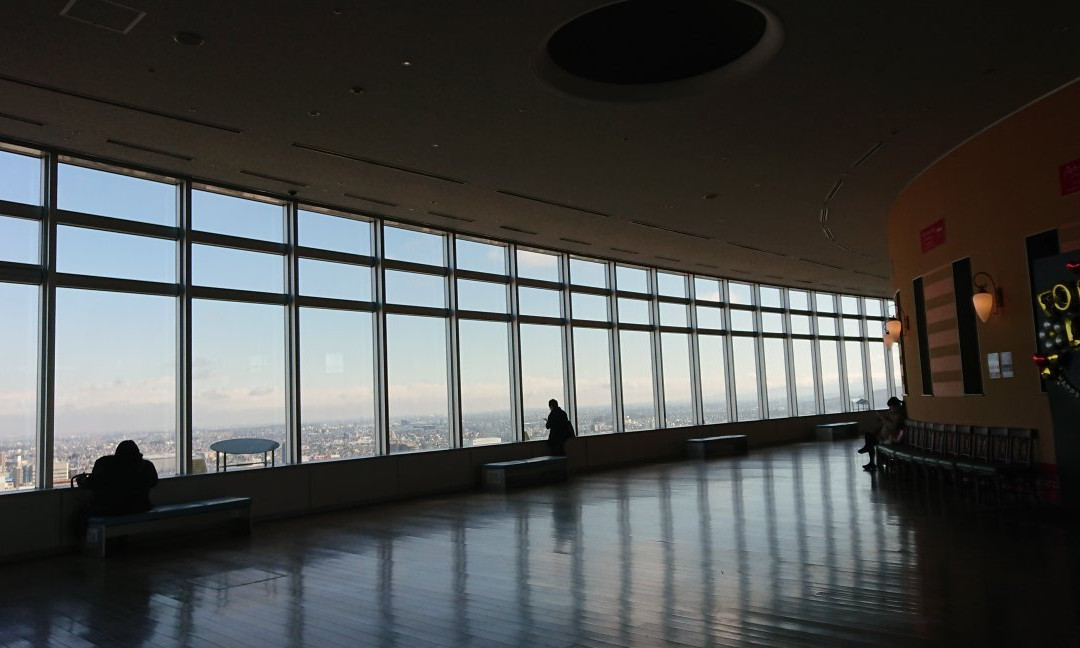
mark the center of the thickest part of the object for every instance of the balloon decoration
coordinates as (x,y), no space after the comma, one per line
(1059,333)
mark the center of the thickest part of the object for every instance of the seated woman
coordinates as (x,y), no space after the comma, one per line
(891,431)
(120,482)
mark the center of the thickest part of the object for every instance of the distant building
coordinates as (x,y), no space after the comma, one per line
(60,473)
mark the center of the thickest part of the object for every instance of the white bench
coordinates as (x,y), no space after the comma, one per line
(718,446)
(834,431)
(233,511)
(524,472)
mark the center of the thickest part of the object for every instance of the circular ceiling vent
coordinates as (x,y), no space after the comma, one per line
(642,49)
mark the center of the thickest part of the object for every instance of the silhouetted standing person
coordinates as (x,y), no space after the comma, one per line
(558,424)
(120,482)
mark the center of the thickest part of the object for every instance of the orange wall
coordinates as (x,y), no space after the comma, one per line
(993,191)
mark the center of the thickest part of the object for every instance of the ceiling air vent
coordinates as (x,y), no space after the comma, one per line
(105,14)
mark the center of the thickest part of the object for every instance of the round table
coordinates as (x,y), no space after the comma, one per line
(223,449)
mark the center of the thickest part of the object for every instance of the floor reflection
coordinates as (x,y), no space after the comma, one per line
(787,546)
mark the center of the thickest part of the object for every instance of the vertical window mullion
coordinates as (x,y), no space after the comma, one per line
(382,390)
(569,375)
(616,353)
(184,359)
(47,321)
(657,352)
(517,394)
(697,400)
(789,354)
(293,419)
(453,347)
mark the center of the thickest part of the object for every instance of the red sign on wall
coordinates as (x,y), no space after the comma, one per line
(933,235)
(1069,174)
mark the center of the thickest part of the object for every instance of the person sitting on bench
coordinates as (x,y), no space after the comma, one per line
(891,431)
(561,430)
(120,482)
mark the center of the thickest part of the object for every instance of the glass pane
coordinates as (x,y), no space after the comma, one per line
(416,383)
(589,307)
(592,380)
(235,216)
(336,233)
(824,302)
(707,289)
(219,267)
(18,385)
(337,385)
(852,328)
(335,280)
(481,296)
(115,379)
(849,305)
(744,355)
(635,351)
(20,240)
(772,323)
(537,265)
(829,351)
(770,297)
(872,306)
(238,388)
(673,315)
(879,377)
(633,311)
(541,376)
(800,324)
(898,376)
(798,300)
(776,377)
(678,405)
(20,178)
(826,325)
(80,250)
(410,245)
(415,289)
(742,320)
(111,194)
(481,257)
(803,359)
(710,318)
(632,279)
(671,285)
(537,301)
(853,356)
(588,273)
(740,293)
(713,378)
(485,383)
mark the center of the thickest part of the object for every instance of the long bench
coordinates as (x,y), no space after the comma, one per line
(834,431)
(233,511)
(975,454)
(524,472)
(718,446)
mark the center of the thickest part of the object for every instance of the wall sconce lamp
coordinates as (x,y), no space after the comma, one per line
(986,302)
(893,329)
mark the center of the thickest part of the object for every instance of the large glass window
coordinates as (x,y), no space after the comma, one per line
(235,216)
(707,289)
(335,280)
(335,233)
(853,355)
(18,385)
(588,273)
(402,244)
(589,307)
(678,397)
(111,194)
(415,289)
(770,297)
(740,293)
(222,267)
(539,302)
(673,315)
(709,317)
(829,354)
(20,178)
(20,240)
(772,323)
(632,279)
(670,285)
(80,250)
(776,371)
(800,324)
(537,265)
(898,376)
(713,378)
(592,380)
(486,416)
(238,376)
(417,388)
(825,302)
(482,296)
(744,356)
(879,378)
(635,351)
(337,385)
(541,375)
(115,379)
(802,356)
(742,320)
(798,300)
(633,311)
(481,257)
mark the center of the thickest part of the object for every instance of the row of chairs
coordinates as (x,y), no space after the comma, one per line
(965,453)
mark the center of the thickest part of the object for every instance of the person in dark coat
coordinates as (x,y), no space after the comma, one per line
(560,429)
(120,482)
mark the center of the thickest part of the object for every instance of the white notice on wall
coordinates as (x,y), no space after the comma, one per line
(1006,364)
(993,365)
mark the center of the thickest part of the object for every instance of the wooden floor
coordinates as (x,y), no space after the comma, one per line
(793,546)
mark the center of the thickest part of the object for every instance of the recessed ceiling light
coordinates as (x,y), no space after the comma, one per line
(406,63)
(190,39)
(314,113)
(709,196)
(356,90)
(434,146)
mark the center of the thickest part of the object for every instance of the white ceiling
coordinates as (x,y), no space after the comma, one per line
(908,82)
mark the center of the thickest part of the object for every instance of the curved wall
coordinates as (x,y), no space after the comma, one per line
(992,192)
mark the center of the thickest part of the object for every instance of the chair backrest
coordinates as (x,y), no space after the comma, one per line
(980,443)
(946,436)
(1000,445)
(962,448)
(1022,446)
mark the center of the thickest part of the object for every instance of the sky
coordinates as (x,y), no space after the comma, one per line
(115,359)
